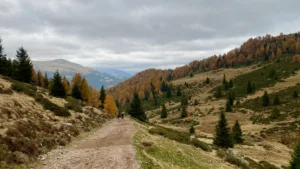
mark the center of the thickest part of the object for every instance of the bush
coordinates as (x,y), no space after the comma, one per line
(268,165)
(178,136)
(199,144)
(58,111)
(192,130)
(24,88)
(73,104)
(6,91)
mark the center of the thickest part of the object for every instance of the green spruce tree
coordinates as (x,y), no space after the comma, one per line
(223,138)
(135,109)
(295,162)
(249,88)
(230,84)
(207,80)
(224,79)
(24,66)
(237,133)
(46,81)
(192,130)
(164,113)
(183,112)
(57,87)
(178,93)
(76,93)
(168,91)
(3,60)
(228,107)
(295,94)
(265,99)
(218,93)
(102,97)
(276,100)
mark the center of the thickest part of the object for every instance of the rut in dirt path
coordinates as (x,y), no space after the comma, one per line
(109,147)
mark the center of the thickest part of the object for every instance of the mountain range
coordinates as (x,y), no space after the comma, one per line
(96,77)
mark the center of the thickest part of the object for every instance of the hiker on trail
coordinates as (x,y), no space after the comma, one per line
(122,115)
(119,115)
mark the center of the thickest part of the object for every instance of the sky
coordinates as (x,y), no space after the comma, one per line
(133,35)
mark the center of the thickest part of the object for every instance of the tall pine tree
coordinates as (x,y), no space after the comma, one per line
(135,109)
(57,87)
(102,97)
(237,133)
(46,81)
(223,138)
(178,93)
(2,59)
(295,162)
(84,90)
(76,92)
(164,113)
(184,113)
(24,66)
(228,106)
(266,99)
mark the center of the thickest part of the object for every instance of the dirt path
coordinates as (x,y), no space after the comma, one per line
(109,147)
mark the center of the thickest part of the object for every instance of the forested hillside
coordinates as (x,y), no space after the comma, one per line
(254,50)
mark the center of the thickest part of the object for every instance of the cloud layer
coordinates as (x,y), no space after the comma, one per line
(137,34)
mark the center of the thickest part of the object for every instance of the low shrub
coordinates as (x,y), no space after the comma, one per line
(200,144)
(58,111)
(268,165)
(73,104)
(178,136)
(24,88)
(6,91)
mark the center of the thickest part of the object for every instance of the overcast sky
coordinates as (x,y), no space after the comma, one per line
(137,34)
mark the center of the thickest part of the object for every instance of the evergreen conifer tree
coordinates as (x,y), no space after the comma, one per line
(265,99)
(224,79)
(226,85)
(152,87)
(191,75)
(184,100)
(76,92)
(24,66)
(192,130)
(164,113)
(184,112)
(237,133)
(57,87)
(40,79)
(295,162)
(102,97)
(249,88)
(168,92)
(207,80)
(3,59)
(135,109)
(218,93)
(295,94)
(230,98)
(46,81)
(228,107)
(230,84)
(223,138)
(276,100)
(178,93)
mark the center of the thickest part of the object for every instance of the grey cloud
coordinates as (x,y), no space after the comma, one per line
(153,32)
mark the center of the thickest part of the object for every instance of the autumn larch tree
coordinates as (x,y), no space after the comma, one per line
(24,66)
(102,97)
(34,79)
(110,106)
(265,99)
(40,79)
(57,87)
(164,113)
(84,90)
(66,85)
(135,109)
(295,162)
(223,138)
(237,133)
(152,88)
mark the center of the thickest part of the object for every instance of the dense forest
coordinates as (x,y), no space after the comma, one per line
(254,50)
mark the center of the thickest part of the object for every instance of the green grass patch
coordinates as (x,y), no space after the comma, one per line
(48,105)
(73,104)
(24,88)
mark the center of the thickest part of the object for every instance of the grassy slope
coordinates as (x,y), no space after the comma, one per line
(165,153)
(263,77)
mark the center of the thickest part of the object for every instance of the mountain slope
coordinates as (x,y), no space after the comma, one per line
(68,69)
(114,72)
